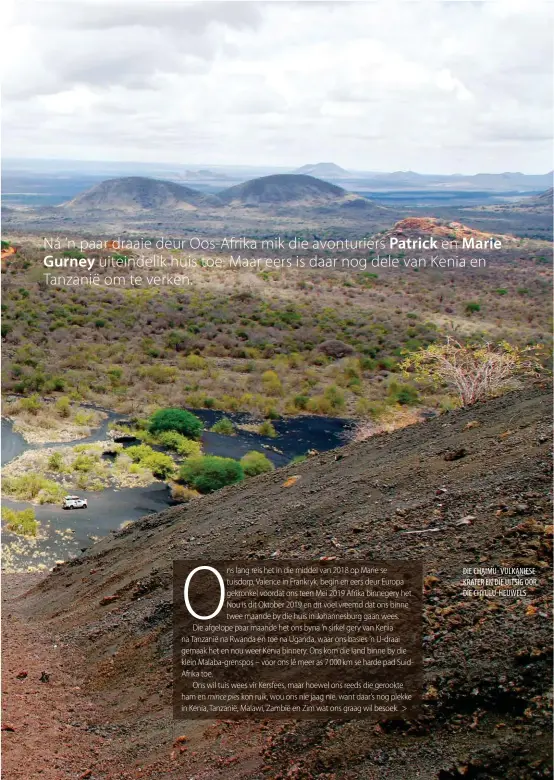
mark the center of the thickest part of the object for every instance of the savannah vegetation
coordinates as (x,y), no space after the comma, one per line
(270,343)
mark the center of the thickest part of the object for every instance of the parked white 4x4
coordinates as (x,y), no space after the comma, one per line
(74,502)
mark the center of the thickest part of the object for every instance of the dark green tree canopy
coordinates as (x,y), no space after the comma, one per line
(178,420)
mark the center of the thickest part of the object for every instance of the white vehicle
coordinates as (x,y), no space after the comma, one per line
(74,502)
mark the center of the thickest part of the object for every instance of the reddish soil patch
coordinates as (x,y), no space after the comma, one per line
(43,715)
(66,729)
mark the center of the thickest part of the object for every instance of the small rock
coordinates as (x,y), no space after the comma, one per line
(21,675)
(108,600)
(521,507)
(467,520)
(456,454)
(8,727)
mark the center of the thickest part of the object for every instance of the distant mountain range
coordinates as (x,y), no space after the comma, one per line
(202,174)
(325,170)
(399,180)
(23,174)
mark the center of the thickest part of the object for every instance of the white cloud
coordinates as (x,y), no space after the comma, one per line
(371,85)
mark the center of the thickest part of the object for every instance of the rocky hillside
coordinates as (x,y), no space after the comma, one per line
(138,193)
(414,227)
(466,488)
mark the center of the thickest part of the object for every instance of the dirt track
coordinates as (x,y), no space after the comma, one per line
(487,662)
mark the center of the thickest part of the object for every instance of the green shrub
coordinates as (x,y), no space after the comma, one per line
(83,418)
(160,374)
(32,404)
(27,487)
(301,401)
(161,466)
(51,493)
(63,406)
(224,426)
(387,363)
(188,448)
(83,462)
(138,452)
(170,439)
(254,463)
(271,383)
(405,395)
(320,405)
(229,402)
(176,420)
(472,307)
(177,340)
(55,461)
(210,472)
(115,374)
(335,397)
(195,363)
(267,429)
(179,443)
(23,523)
(57,383)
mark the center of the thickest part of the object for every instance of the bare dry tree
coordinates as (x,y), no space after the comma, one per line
(473,371)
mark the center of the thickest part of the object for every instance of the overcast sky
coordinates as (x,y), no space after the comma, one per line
(428,86)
